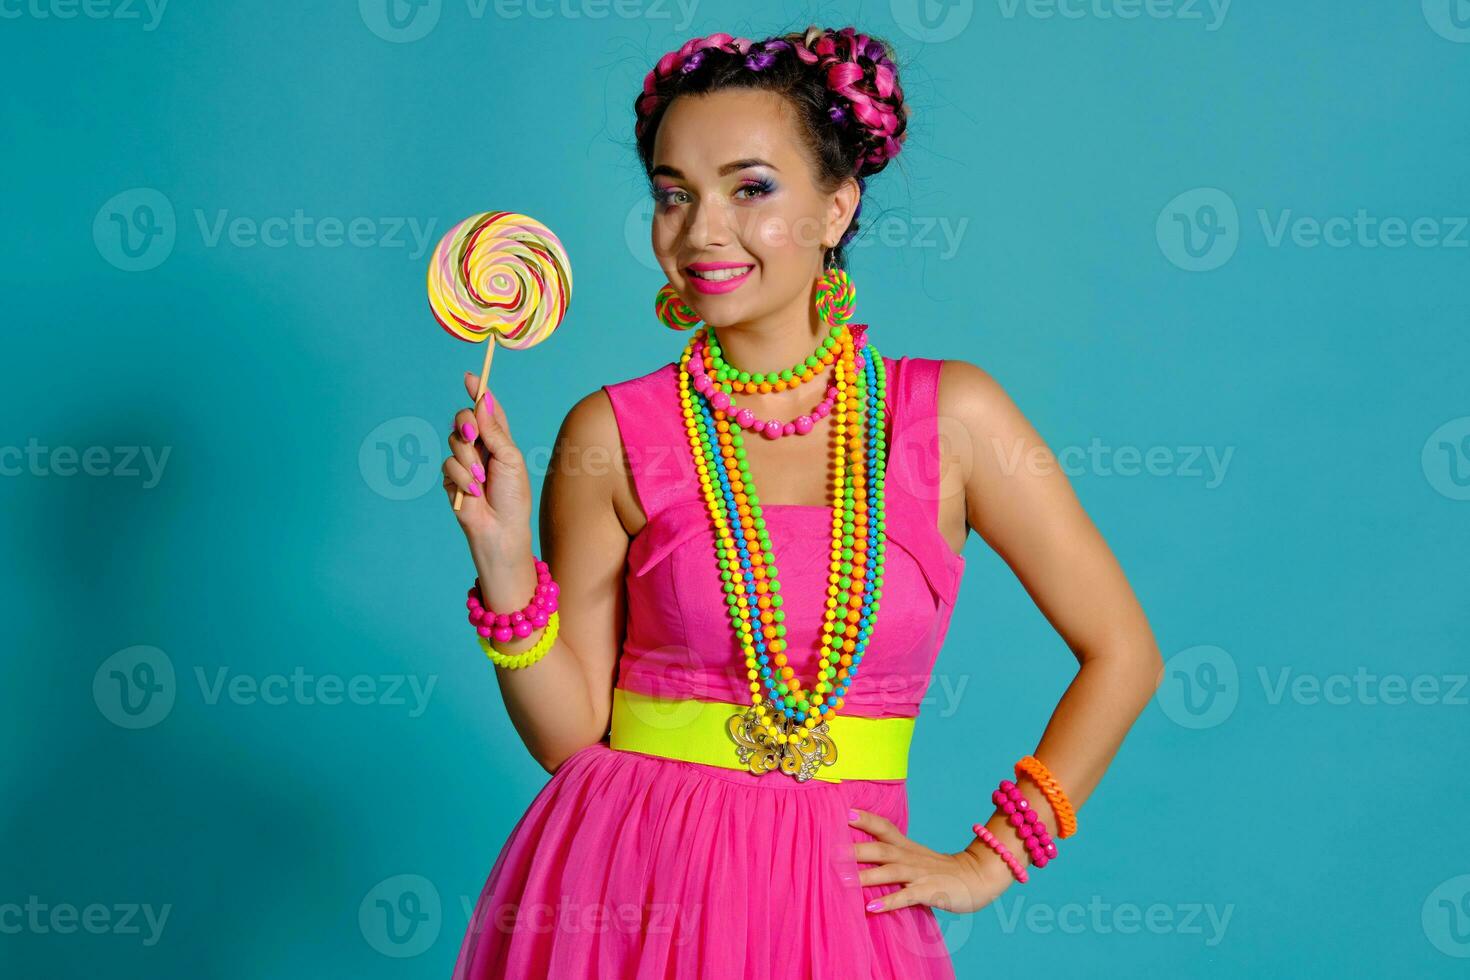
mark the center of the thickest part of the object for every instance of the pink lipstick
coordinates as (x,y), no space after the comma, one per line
(722,285)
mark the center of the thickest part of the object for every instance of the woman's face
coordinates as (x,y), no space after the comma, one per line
(735,194)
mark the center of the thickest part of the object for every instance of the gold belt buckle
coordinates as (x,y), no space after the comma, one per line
(799,756)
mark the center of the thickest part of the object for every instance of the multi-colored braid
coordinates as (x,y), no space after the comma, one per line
(685,58)
(869,101)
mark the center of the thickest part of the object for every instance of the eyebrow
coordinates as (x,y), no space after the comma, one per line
(663,170)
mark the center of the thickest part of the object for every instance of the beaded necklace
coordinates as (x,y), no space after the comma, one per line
(732,379)
(785,726)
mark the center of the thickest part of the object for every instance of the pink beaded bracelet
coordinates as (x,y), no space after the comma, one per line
(1023,816)
(504,627)
(1017,871)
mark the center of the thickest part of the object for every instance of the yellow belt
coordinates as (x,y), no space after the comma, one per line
(695,731)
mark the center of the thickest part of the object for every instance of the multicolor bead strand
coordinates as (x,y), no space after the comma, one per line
(749,574)
(876,463)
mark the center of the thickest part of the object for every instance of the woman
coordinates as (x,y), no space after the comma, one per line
(726,691)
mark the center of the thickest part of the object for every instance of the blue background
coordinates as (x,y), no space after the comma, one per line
(1084,168)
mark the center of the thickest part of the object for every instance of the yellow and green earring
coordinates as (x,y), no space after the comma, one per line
(836,296)
(672,311)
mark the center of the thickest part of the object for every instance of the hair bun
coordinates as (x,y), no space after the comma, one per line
(863,80)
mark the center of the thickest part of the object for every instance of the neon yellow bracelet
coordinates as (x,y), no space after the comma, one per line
(528,657)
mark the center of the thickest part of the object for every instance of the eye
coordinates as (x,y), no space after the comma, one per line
(663,197)
(759,188)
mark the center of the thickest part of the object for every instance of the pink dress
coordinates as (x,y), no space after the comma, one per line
(638,867)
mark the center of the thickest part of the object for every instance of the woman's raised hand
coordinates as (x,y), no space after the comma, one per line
(485,463)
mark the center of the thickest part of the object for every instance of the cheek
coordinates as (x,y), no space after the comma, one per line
(782,236)
(665,239)
(664,234)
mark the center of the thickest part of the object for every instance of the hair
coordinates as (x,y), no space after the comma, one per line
(843,85)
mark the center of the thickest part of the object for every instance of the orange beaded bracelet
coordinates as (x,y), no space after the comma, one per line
(1052,790)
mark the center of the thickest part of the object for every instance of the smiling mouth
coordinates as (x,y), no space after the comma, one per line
(721,275)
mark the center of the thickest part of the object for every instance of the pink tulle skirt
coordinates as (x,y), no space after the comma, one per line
(634,867)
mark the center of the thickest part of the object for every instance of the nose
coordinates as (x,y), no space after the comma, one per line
(708,226)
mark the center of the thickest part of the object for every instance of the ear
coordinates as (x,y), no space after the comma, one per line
(843,206)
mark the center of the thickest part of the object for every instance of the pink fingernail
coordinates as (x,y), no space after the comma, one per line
(479,472)
(475,489)
(852,815)
(876,905)
(467,429)
(489,402)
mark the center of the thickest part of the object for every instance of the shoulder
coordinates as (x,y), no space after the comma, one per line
(599,410)
(593,419)
(969,392)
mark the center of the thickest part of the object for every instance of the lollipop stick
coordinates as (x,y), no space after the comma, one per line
(490,346)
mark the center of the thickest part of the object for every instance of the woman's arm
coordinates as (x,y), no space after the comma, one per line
(1021,503)
(563,702)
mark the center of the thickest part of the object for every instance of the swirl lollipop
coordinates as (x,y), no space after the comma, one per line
(503,275)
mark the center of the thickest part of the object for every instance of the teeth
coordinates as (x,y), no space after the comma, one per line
(721,274)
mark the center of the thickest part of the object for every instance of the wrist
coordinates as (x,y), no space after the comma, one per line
(989,865)
(507,579)
(487,551)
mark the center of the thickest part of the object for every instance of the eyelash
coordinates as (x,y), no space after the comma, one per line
(761,187)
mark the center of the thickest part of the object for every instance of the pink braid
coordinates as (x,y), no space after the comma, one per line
(673,61)
(843,76)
